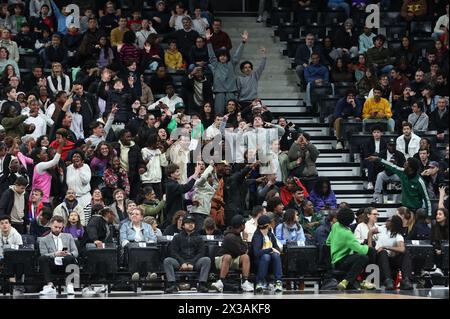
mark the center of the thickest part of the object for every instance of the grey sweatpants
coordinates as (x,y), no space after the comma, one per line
(203,265)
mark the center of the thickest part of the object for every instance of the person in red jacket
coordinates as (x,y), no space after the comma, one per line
(287,191)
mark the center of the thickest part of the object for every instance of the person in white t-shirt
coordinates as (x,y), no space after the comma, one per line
(199,23)
(390,247)
(369,221)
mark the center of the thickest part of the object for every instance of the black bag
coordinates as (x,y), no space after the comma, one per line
(330,284)
(232,286)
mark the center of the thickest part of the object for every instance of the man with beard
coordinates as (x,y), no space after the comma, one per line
(57,251)
(414,190)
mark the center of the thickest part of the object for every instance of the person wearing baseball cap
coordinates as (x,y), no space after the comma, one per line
(233,255)
(266,252)
(186,254)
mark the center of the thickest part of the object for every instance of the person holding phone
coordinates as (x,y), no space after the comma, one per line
(57,250)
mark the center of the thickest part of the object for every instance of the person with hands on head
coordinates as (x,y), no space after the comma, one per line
(187,253)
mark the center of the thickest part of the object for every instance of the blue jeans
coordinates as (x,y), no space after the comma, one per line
(344,6)
(263,266)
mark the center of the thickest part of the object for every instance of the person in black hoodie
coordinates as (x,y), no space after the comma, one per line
(197,90)
(234,255)
(121,97)
(265,253)
(89,108)
(134,160)
(175,190)
(25,39)
(14,203)
(187,253)
(100,228)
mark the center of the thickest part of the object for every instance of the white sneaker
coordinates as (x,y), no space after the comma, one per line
(339,146)
(247,286)
(437,272)
(260,19)
(135,276)
(218,285)
(100,289)
(70,290)
(48,290)
(151,276)
(369,186)
(88,292)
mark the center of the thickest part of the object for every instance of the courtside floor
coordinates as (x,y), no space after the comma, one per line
(434,293)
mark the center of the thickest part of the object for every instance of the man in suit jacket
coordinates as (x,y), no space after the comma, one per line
(375,146)
(57,250)
(395,157)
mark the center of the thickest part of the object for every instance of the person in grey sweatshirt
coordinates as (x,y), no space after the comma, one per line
(248,82)
(225,83)
(418,119)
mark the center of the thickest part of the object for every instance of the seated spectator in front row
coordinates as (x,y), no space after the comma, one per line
(9,235)
(290,230)
(187,253)
(57,251)
(233,255)
(100,229)
(136,230)
(347,254)
(266,252)
(390,246)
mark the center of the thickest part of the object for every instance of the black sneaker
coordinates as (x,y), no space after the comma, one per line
(389,284)
(406,284)
(202,288)
(171,288)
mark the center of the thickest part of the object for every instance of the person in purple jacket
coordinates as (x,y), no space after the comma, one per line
(322,195)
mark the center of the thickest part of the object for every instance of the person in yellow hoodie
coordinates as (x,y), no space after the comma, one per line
(172,57)
(378,109)
(412,9)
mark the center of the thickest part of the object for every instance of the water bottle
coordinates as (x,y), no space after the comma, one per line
(398,280)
